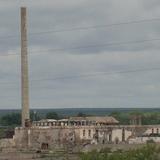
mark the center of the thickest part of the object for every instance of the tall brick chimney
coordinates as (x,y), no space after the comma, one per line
(24,68)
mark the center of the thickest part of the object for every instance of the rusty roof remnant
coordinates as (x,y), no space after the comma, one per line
(96,119)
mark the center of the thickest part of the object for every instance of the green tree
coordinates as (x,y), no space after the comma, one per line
(34,116)
(80,114)
(52,115)
(11,119)
(123,118)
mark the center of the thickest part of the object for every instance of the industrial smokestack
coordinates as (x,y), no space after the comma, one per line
(24,68)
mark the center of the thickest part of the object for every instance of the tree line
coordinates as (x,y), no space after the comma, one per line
(148,118)
(14,119)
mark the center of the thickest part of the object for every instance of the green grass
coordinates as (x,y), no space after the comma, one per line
(149,152)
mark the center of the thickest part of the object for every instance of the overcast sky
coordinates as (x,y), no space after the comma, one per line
(57,76)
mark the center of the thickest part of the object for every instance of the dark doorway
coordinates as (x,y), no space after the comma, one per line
(44,146)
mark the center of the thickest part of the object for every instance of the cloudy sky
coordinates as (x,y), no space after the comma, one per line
(92,75)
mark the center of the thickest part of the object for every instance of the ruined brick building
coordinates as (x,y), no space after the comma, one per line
(50,133)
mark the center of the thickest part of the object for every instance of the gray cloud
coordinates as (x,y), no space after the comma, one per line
(136,89)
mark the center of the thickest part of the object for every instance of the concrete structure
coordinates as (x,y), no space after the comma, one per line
(52,133)
(24,68)
(80,131)
(77,121)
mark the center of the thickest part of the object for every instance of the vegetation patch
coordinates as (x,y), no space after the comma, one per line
(148,152)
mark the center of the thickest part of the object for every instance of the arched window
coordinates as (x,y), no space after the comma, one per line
(152,130)
(157,130)
(123,135)
(89,133)
(84,133)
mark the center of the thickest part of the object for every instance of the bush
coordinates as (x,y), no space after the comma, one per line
(150,141)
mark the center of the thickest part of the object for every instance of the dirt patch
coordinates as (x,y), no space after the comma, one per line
(37,156)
